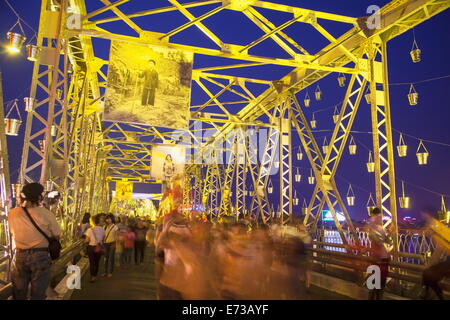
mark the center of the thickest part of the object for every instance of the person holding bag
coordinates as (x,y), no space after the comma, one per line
(35,233)
(94,237)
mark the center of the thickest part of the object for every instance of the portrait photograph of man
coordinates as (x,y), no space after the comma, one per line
(148,85)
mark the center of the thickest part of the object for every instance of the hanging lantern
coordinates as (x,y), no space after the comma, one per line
(350,196)
(298,176)
(270,187)
(59,95)
(341,80)
(313,122)
(15,42)
(311,178)
(16,190)
(367,95)
(413,96)
(276,164)
(352,147)
(33,52)
(370,163)
(295,200)
(304,207)
(12,125)
(318,93)
(335,115)
(30,104)
(307,100)
(402,148)
(53,130)
(422,154)
(415,52)
(49,185)
(370,205)
(403,200)
(299,154)
(325,145)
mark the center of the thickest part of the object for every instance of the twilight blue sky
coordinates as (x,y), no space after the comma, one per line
(428,120)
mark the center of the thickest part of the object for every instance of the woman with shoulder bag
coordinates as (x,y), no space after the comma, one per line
(94,238)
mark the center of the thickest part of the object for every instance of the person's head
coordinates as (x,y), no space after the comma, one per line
(110,219)
(375,215)
(129,229)
(32,193)
(152,63)
(86,218)
(169,157)
(95,220)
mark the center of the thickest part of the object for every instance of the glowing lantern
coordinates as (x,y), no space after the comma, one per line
(415,52)
(307,100)
(370,205)
(276,164)
(298,176)
(367,95)
(295,200)
(53,130)
(403,200)
(422,154)
(313,122)
(413,96)
(325,145)
(270,187)
(370,163)
(30,104)
(352,146)
(15,42)
(12,125)
(311,178)
(341,80)
(350,196)
(402,148)
(299,154)
(33,52)
(318,93)
(304,207)
(335,115)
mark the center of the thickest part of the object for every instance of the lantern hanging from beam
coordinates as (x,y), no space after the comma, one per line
(352,146)
(12,125)
(311,178)
(335,115)
(413,96)
(422,154)
(325,145)
(33,52)
(404,201)
(370,205)
(270,186)
(402,148)
(415,52)
(313,122)
(304,207)
(53,130)
(318,93)
(276,164)
(15,42)
(307,100)
(350,196)
(30,104)
(370,163)
(295,200)
(299,154)
(367,95)
(341,80)
(298,176)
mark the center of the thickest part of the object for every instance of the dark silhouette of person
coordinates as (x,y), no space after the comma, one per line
(150,84)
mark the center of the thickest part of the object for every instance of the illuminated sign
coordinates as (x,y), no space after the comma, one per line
(326,216)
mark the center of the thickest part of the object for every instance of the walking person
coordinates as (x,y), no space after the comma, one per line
(128,245)
(110,245)
(379,240)
(31,263)
(140,243)
(94,237)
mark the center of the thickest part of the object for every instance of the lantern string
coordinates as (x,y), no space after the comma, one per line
(19,18)
(423,188)
(420,81)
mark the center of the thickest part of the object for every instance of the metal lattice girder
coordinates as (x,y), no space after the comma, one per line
(285,162)
(386,197)
(229,174)
(335,150)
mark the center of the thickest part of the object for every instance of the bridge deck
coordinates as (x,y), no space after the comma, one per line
(139,282)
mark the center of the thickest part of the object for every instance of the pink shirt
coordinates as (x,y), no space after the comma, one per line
(129,240)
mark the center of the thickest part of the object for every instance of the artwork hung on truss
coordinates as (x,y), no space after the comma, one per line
(124,190)
(167,161)
(148,85)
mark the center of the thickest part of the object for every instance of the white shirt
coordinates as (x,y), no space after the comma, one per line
(95,235)
(110,233)
(24,233)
